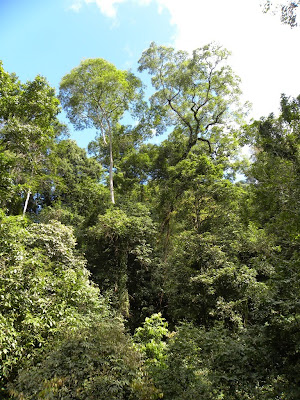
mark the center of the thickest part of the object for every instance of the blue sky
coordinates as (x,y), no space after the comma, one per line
(50,37)
(47,37)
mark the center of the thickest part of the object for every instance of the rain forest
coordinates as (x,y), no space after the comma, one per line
(162,262)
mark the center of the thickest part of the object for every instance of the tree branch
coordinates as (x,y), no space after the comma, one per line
(206,141)
(216,120)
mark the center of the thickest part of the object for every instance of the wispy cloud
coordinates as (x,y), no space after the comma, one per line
(76,5)
(107,7)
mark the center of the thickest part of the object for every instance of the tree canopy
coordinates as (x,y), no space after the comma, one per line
(196,93)
(97,94)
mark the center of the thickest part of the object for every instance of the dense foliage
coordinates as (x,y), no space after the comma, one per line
(147,271)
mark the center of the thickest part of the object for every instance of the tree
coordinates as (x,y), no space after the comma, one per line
(44,289)
(119,250)
(129,178)
(75,191)
(288,11)
(96,361)
(151,339)
(6,181)
(276,170)
(274,196)
(197,93)
(9,91)
(28,145)
(217,364)
(97,94)
(28,129)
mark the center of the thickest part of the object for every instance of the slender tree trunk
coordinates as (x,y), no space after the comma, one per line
(111,165)
(26,201)
(111,160)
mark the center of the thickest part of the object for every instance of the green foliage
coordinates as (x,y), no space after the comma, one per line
(275,206)
(9,91)
(214,364)
(75,186)
(184,376)
(97,94)
(28,130)
(28,146)
(96,361)
(44,288)
(197,93)
(119,253)
(206,282)
(276,170)
(150,339)
(130,165)
(6,181)
(216,260)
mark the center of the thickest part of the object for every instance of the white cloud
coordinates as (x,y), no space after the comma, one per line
(264,52)
(75,5)
(107,7)
(143,2)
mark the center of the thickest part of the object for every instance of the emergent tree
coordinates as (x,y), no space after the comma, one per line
(97,94)
(194,93)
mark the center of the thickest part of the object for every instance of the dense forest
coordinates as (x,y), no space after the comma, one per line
(144,271)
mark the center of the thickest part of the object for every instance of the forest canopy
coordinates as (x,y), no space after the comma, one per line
(144,271)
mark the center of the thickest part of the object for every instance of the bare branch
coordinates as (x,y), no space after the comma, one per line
(206,141)
(185,121)
(216,120)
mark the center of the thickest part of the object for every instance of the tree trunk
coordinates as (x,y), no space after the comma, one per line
(111,165)
(26,201)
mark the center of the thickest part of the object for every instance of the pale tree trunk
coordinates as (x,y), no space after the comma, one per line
(111,165)
(29,189)
(26,201)
(111,160)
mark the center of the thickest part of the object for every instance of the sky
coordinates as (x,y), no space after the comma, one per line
(50,37)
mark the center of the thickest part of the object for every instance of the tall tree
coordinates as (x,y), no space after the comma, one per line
(97,94)
(196,93)
(28,129)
